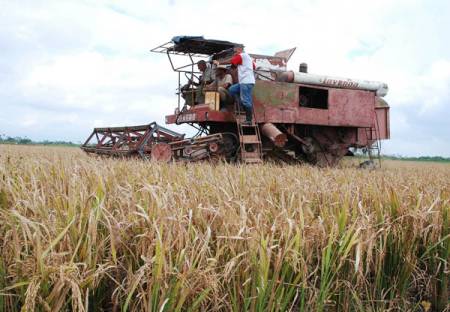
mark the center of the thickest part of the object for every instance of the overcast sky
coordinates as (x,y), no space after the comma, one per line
(67,66)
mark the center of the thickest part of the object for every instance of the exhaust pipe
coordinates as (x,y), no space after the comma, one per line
(380,88)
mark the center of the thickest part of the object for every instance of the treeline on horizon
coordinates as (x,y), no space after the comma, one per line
(27,141)
(418,158)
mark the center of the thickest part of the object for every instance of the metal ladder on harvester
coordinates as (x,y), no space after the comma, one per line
(375,147)
(249,139)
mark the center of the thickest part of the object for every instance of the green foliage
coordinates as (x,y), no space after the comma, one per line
(27,141)
(3,199)
(419,158)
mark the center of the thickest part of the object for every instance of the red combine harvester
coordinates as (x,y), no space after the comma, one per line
(297,116)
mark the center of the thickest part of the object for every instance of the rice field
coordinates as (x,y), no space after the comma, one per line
(79,233)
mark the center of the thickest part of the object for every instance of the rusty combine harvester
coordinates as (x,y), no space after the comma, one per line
(297,116)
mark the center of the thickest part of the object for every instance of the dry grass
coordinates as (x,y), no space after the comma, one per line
(79,234)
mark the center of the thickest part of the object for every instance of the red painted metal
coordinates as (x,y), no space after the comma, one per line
(128,141)
(278,102)
(348,118)
(276,136)
(161,152)
(200,113)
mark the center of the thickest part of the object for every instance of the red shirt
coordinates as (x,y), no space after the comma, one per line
(237,60)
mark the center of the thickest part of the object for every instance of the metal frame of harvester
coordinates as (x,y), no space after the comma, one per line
(297,116)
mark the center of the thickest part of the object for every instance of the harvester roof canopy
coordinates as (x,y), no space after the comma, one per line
(195,45)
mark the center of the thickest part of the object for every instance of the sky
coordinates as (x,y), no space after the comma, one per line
(68,66)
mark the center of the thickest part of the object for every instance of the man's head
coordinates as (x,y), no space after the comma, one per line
(201,65)
(239,49)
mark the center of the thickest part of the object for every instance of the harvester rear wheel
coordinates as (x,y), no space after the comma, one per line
(230,145)
(320,155)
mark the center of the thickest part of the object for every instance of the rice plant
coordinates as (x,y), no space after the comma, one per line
(80,233)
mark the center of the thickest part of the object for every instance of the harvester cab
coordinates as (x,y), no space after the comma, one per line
(297,116)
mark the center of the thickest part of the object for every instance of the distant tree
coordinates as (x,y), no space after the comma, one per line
(26,141)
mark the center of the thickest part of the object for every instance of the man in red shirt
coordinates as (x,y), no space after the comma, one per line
(244,89)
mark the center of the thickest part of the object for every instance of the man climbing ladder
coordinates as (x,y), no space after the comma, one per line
(244,89)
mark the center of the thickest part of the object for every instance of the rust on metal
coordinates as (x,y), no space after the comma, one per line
(161,152)
(276,136)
